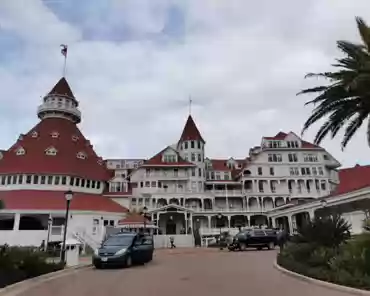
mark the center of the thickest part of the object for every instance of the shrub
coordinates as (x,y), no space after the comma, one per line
(330,231)
(17,264)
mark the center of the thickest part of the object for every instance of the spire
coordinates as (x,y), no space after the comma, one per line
(190,131)
(60,103)
(62,89)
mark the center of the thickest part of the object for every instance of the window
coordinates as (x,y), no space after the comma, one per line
(20,179)
(78,181)
(81,155)
(314,171)
(147,184)
(292,144)
(14,179)
(28,179)
(292,157)
(323,185)
(310,157)
(326,157)
(186,156)
(88,183)
(305,171)
(8,179)
(147,172)
(20,151)
(193,157)
(64,180)
(43,179)
(272,172)
(71,181)
(97,185)
(199,172)
(35,179)
(141,184)
(321,171)
(34,134)
(294,171)
(218,176)
(153,184)
(50,180)
(199,157)
(193,172)
(192,144)
(3,180)
(259,170)
(74,138)
(51,151)
(275,158)
(186,145)
(83,182)
(199,145)
(169,158)
(212,175)
(57,180)
(176,172)
(54,134)
(226,176)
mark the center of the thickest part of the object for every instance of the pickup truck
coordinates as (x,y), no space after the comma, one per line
(255,238)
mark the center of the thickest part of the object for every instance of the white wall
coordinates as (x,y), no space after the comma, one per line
(356,219)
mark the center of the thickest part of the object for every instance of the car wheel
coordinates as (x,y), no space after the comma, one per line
(128,262)
(271,246)
(98,266)
(243,246)
(259,248)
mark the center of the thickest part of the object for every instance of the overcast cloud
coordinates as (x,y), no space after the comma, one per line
(132,64)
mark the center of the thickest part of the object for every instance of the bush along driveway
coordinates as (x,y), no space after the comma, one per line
(324,250)
(19,263)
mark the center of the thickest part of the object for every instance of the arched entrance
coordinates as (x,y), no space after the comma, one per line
(171,226)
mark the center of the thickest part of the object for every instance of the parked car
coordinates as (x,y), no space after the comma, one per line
(124,249)
(256,238)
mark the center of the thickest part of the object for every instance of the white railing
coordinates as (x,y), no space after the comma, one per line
(51,107)
(226,192)
(86,239)
(216,231)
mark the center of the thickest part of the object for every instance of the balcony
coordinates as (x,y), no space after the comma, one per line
(225,193)
(55,107)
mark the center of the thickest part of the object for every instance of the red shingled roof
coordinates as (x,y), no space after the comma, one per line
(281,136)
(134,219)
(352,179)
(190,131)
(55,200)
(157,160)
(62,88)
(65,162)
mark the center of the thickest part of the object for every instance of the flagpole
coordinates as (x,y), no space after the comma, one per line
(190,101)
(65,66)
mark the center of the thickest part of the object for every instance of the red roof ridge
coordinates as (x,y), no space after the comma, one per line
(190,131)
(157,160)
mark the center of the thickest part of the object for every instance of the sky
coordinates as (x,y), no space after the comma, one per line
(133,64)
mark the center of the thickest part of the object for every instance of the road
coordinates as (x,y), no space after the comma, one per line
(187,272)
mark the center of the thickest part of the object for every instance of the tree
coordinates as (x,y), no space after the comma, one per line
(345,101)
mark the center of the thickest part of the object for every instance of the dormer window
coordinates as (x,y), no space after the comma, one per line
(51,151)
(74,138)
(81,155)
(34,134)
(55,135)
(169,158)
(100,161)
(20,151)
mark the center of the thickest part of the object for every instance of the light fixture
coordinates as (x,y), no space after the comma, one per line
(68,195)
(323,203)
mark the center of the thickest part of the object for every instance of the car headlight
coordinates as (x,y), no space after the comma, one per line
(96,252)
(120,252)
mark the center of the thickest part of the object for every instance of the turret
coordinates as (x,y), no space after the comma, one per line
(60,103)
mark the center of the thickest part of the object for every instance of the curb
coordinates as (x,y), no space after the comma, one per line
(17,288)
(321,283)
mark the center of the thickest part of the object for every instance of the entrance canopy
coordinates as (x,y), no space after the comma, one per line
(135,222)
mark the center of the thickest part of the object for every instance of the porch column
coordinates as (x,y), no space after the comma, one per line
(227,198)
(186,222)
(191,222)
(311,214)
(209,221)
(290,224)
(228,221)
(249,221)
(243,203)
(273,222)
(17,218)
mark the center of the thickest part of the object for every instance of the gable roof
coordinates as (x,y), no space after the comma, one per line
(157,160)
(282,135)
(190,131)
(65,162)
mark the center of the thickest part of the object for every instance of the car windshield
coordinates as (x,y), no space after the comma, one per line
(119,240)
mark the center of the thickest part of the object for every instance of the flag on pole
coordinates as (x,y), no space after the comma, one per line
(64,50)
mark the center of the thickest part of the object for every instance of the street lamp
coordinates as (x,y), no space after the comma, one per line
(323,203)
(219,220)
(68,196)
(50,222)
(144,213)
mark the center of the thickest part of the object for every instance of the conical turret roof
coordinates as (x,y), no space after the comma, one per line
(62,88)
(191,131)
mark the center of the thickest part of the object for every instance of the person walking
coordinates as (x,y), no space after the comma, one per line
(282,238)
(172,242)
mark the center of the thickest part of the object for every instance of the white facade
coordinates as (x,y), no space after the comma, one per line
(244,191)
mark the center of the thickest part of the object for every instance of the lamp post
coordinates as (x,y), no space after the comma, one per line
(50,222)
(323,203)
(219,220)
(68,196)
(144,213)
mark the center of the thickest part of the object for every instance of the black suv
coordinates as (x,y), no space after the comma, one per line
(255,238)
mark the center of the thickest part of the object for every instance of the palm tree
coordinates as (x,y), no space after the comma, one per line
(345,101)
